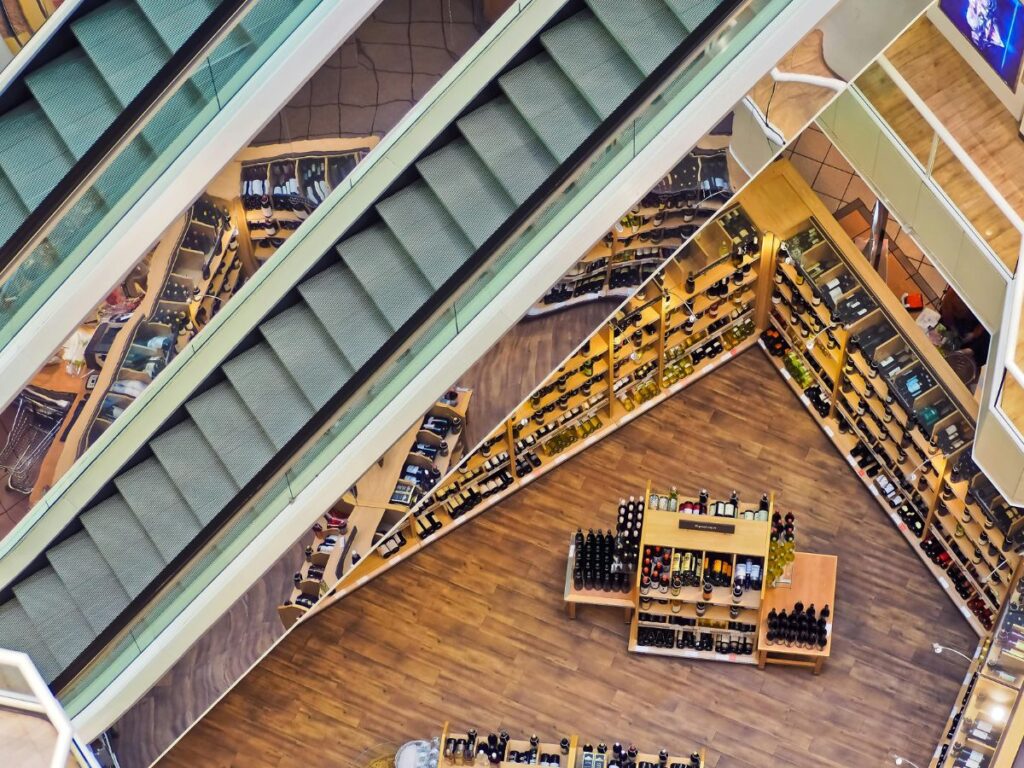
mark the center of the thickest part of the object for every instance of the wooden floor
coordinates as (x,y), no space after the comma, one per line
(472,628)
(522,358)
(971,112)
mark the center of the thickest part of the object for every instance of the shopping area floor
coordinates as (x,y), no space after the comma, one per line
(473,630)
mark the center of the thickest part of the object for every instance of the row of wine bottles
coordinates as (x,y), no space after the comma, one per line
(737,644)
(671,502)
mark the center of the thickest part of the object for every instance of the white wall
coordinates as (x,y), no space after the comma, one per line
(1014,102)
(856,31)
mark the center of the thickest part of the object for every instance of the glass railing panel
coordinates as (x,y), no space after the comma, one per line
(937,160)
(140,162)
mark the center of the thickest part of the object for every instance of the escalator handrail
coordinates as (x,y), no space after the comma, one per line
(131,120)
(506,234)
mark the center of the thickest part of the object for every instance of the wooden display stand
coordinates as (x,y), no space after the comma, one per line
(576,757)
(574,597)
(706,535)
(813,583)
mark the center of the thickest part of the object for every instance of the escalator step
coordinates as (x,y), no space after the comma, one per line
(386,272)
(124,46)
(75,99)
(32,153)
(269,392)
(175,22)
(596,64)
(53,612)
(182,449)
(232,430)
(647,29)
(509,147)
(347,312)
(550,103)
(12,211)
(297,336)
(125,170)
(156,502)
(124,544)
(692,12)
(90,580)
(467,188)
(20,634)
(426,231)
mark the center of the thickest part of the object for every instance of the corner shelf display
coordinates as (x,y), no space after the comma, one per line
(648,234)
(195,261)
(700,580)
(499,749)
(279,193)
(349,533)
(698,311)
(986,726)
(883,395)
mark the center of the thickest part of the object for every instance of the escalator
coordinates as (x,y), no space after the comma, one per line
(564,94)
(114,94)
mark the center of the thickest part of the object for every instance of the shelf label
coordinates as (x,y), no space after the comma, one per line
(965,612)
(944,583)
(688,523)
(732,657)
(902,526)
(785,374)
(828,430)
(804,399)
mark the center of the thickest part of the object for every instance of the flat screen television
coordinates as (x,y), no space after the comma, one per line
(996,30)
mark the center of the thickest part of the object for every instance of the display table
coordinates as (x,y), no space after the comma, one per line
(574,597)
(813,583)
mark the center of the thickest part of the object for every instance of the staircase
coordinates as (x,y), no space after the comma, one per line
(343,313)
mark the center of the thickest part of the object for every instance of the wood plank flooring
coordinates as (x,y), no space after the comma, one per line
(971,112)
(472,629)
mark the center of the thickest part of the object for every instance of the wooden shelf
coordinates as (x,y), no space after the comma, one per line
(813,583)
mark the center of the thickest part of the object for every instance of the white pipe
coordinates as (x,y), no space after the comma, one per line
(832,83)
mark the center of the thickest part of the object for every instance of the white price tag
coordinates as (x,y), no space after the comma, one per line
(805,400)
(965,612)
(828,431)
(785,374)
(874,491)
(943,583)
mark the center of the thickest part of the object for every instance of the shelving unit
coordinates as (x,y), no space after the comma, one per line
(709,537)
(295,178)
(622,382)
(852,370)
(578,753)
(645,236)
(990,698)
(370,507)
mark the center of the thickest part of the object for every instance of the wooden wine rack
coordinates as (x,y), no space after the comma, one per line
(843,374)
(738,538)
(576,757)
(502,463)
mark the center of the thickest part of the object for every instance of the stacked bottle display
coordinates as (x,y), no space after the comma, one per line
(781,545)
(629,756)
(606,561)
(800,627)
(498,748)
